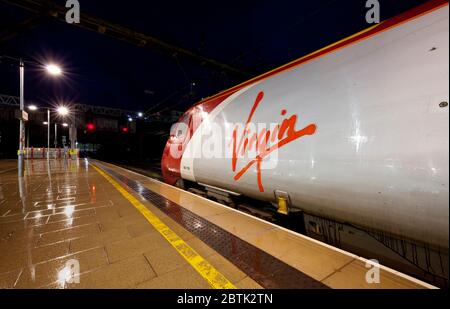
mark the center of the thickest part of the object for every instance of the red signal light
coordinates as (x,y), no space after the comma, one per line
(90,126)
(124,129)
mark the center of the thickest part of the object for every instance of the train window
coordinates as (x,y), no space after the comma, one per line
(186,119)
(172,130)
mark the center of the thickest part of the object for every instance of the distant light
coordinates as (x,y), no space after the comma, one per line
(90,126)
(65,125)
(53,69)
(125,129)
(63,111)
(130,119)
(32,107)
(45,123)
(140,114)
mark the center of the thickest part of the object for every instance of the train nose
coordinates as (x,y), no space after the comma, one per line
(170,166)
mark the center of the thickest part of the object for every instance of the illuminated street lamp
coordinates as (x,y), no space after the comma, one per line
(63,111)
(53,69)
(32,108)
(45,123)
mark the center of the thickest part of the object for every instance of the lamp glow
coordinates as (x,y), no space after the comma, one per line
(53,69)
(63,111)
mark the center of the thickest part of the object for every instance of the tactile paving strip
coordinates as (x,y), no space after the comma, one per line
(262,267)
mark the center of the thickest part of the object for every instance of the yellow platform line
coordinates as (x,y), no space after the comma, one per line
(202,266)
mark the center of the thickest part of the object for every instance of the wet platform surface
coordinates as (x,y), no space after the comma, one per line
(118,229)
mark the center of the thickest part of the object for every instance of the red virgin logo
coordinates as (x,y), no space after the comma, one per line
(264,142)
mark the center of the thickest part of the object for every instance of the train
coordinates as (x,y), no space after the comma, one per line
(356,132)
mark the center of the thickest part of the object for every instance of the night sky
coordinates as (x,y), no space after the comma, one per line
(253,36)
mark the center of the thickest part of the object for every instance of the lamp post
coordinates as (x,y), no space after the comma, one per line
(51,69)
(54,70)
(48,134)
(64,140)
(61,111)
(56,136)
(31,108)
(73,131)
(22,124)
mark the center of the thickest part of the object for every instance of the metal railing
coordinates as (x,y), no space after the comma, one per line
(52,153)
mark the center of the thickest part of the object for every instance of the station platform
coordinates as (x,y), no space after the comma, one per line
(88,224)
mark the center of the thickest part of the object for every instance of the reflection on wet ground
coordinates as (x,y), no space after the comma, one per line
(63,225)
(55,220)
